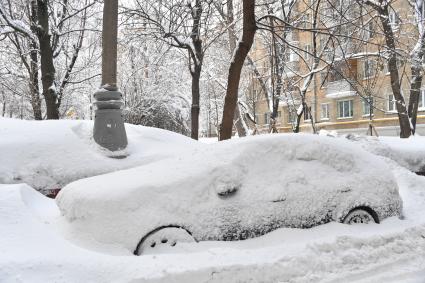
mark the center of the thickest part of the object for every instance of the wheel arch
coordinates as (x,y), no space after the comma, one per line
(160,228)
(366,208)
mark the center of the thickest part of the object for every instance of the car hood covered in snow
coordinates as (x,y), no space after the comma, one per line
(119,208)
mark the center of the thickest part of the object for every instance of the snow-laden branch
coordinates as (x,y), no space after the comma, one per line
(17,25)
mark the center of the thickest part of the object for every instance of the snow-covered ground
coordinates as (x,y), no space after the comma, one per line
(35,246)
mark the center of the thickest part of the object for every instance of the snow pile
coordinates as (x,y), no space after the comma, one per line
(50,154)
(234,190)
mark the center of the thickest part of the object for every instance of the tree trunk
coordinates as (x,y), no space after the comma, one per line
(235,69)
(415,89)
(239,123)
(297,125)
(276,70)
(3,112)
(194,113)
(231,26)
(405,129)
(416,81)
(48,71)
(197,57)
(34,88)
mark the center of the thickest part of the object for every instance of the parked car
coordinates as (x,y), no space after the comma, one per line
(233,190)
(407,153)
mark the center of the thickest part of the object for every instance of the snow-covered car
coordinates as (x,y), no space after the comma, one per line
(49,154)
(233,190)
(408,153)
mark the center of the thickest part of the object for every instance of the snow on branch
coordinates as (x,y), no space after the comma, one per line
(17,25)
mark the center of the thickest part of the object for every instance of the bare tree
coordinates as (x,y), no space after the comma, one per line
(383,9)
(241,51)
(417,60)
(35,27)
(184,25)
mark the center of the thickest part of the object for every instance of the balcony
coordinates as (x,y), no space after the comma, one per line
(339,89)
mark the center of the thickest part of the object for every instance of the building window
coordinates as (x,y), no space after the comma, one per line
(422,10)
(368,68)
(369,31)
(292,117)
(290,55)
(289,35)
(421,102)
(393,19)
(367,106)
(336,73)
(385,69)
(324,113)
(345,108)
(308,51)
(391,103)
(305,20)
(323,76)
(307,112)
(328,55)
(266,118)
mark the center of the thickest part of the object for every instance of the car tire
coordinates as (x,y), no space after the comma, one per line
(168,236)
(360,216)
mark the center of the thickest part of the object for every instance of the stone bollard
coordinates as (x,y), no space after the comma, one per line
(109,131)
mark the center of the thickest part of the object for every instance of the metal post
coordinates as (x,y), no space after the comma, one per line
(109,131)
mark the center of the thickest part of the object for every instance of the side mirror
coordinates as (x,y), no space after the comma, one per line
(226,190)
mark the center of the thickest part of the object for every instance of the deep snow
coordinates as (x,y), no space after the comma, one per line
(34,245)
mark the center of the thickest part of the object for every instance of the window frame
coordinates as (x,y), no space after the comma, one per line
(366,104)
(350,109)
(308,51)
(371,67)
(391,102)
(322,117)
(267,117)
(306,114)
(421,99)
(369,34)
(393,19)
(292,114)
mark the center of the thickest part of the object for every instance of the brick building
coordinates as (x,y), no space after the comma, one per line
(353,87)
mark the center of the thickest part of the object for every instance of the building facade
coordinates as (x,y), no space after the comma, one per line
(350,87)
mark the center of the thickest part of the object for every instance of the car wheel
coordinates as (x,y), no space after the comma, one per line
(163,237)
(359,215)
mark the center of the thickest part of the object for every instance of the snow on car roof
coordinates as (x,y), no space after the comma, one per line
(272,152)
